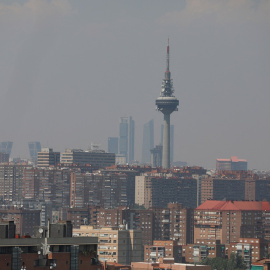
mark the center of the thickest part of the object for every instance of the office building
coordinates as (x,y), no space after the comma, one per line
(171,141)
(148,141)
(231,164)
(34,148)
(118,245)
(47,157)
(113,145)
(6,147)
(97,158)
(167,103)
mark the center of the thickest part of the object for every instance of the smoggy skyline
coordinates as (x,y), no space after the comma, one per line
(71,68)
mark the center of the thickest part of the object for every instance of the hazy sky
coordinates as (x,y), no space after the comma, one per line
(69,69)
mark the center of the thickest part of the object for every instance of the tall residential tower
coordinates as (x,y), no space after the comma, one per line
(167,103)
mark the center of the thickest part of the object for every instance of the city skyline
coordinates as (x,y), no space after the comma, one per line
(62,61)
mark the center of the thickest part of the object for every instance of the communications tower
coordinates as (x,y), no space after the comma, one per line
(167,103)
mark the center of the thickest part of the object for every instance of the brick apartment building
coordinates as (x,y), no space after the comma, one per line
(171,223)
(24,219)
(251,249)
(204,248)
(228,221)
(163,249)
(157,190)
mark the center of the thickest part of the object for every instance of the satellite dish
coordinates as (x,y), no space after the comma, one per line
(40,230)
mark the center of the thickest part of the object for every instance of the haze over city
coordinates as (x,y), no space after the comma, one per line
(70,69)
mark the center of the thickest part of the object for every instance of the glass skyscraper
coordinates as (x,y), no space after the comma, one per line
(113,145)
(126,138)
(6,147)
(148,141)
(34,148)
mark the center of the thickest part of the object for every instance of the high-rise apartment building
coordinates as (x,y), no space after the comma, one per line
(173,222)
(34,148)
(6,147)
(11,183)
(148,141)
(227,221)
(157,190)
(113,145)
(222,189)
(106,190)
(231,164)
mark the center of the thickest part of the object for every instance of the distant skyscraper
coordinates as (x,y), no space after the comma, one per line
(131,140)
(113,145)
(34,148)
(171,141)
(148,141)
(167,103)
(126,138)
(6,147)
(123,136)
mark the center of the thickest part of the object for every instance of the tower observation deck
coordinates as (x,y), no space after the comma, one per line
(167,103)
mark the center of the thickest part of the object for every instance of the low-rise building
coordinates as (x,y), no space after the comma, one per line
(204,248)
(163,264)
(163,249)
(52,248)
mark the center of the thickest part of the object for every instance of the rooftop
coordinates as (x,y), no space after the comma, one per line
(234,205)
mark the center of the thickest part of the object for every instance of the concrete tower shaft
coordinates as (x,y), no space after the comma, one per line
(167,103)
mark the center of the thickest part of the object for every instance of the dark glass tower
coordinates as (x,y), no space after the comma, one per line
(34,148)
(148,141)
(6,147)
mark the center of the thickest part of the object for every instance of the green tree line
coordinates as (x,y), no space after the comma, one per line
(235,262)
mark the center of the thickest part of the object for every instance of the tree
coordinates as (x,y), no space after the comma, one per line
(235,262)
